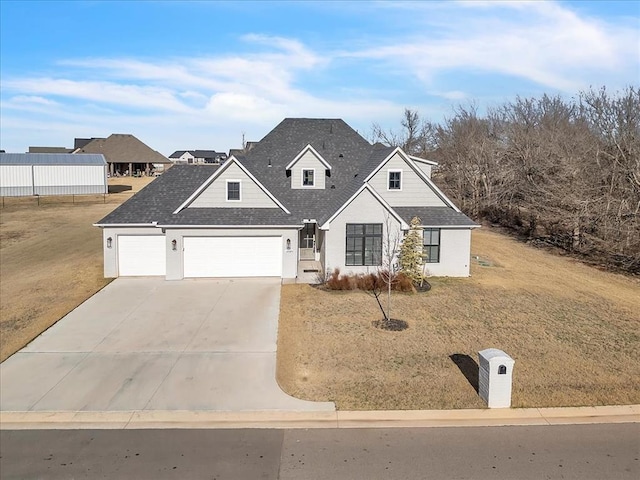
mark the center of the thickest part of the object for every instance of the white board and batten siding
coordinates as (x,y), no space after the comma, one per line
(414,190)
(232,256)
(215,195)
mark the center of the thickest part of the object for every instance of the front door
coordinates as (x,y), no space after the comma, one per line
(308,241)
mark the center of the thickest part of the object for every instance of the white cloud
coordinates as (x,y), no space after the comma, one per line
(148,97)
(32,100)
(172,102)
(543,42)
(239,106)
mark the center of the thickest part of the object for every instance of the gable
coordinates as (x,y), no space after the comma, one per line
(361,204)
(308,161)
(414,189)
(215,195)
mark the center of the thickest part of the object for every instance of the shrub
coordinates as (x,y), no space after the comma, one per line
(368,282)
(337,282)
(403,283)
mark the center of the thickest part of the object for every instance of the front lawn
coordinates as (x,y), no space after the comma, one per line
(573,331)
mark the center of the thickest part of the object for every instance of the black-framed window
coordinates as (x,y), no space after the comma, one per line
(307,178)
(233,191)
(364,244)
(395,180)
(431,245)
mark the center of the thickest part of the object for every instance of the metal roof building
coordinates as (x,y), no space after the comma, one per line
(25,174)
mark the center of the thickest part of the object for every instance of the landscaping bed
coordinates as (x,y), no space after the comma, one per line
(574,332)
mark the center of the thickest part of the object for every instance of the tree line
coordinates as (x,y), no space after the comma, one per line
(562,172)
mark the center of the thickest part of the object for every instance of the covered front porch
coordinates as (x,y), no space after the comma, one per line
(310,255)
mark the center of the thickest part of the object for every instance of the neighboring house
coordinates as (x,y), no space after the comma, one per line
(198,157)
(312,195)
(182,156)
(25,174)
(125,154)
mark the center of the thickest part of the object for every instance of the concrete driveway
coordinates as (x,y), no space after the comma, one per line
(150,344)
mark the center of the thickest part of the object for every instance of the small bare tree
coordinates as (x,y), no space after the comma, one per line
(387,272)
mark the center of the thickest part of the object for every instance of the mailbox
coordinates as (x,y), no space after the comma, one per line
(495,377)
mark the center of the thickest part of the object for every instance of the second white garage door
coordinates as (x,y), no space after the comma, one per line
(232,257)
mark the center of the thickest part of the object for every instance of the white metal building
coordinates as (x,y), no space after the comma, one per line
(25,174)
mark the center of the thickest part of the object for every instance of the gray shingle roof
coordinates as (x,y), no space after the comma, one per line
(177,153)
(351,157)
(50,159)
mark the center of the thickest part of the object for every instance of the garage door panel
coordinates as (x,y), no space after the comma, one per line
(142,255)
(233,256)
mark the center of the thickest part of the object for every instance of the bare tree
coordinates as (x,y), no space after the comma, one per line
(561,171)
(387,272)
(417,136)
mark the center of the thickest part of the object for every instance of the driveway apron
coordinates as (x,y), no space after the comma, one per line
(151,344)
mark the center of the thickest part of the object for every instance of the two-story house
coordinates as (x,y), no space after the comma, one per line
(311,195)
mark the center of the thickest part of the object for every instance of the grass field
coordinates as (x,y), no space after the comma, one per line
(50,259)
(573,331)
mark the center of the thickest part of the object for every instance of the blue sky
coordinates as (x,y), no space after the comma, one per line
(187,75)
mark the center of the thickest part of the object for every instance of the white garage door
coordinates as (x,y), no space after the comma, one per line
(142,255)
(233,256)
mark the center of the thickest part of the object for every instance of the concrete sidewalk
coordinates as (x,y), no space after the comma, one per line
(146,419)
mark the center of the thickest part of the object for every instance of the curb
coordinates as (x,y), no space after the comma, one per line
(150,419)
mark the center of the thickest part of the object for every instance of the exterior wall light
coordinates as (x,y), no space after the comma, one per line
(174,245)
(288,244)
(109,240)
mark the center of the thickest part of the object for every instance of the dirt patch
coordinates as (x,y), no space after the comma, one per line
(50,262)
(128,184)
(572,329)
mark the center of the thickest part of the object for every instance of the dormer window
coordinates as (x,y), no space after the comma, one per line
(233,190)
(308,177)
(394,180)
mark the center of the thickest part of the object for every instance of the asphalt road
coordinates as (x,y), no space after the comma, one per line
(537,452)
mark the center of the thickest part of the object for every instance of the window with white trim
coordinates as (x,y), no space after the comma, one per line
(431,245)
(233,190)
(394,180)
(308,177)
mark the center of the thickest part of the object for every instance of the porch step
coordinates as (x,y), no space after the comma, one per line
(309,271)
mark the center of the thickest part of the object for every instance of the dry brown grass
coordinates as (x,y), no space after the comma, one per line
(573,331)
(50,259)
